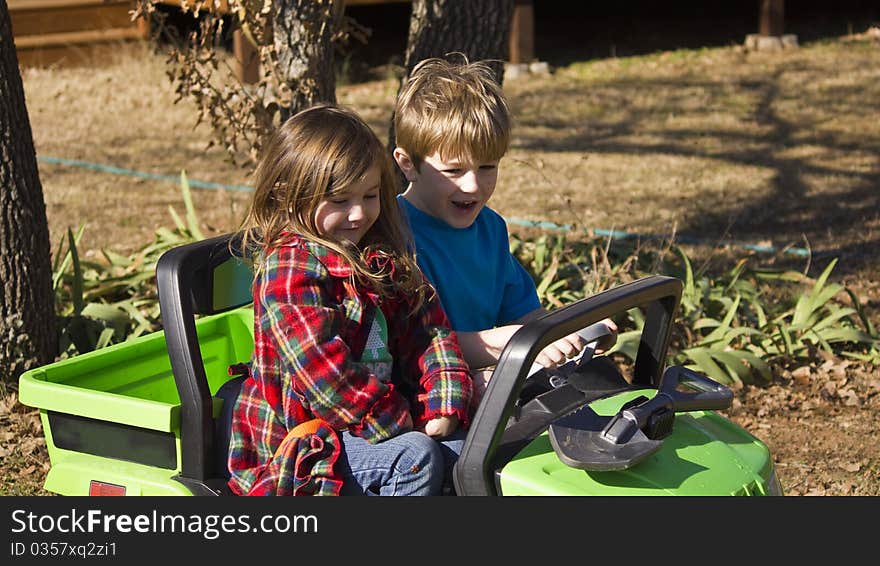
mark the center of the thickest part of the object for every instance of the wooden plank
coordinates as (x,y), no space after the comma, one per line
(224,6)
(222,9)
(772,18)
(522,32)
(52,31)
(367,2)
(246,59)
(30,5)
(74,18)
(75,38)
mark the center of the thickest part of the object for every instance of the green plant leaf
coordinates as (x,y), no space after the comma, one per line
(548,276)
(191,221)
(104,339)
(866,322)
(735,274)
(837,314)
(727,338)
(58,272)
(702,358)
(809,303)
(772,274)
(853,335)
(108,313)
(724,326)
(627,344)
(758,364)
(734,363)
(181,227)
(77,292)
(702,323)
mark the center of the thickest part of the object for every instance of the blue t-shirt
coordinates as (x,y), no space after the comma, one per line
(481,285)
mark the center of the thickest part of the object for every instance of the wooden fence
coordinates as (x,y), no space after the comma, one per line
(46,31)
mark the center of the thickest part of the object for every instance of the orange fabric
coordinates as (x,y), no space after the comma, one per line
(300,430)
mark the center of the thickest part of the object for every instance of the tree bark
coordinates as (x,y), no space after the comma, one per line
(480,29)
(28,335)
(302,33)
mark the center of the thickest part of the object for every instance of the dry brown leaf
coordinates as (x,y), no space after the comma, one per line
(801,375)
(850,398)
(8,403)
(829,390)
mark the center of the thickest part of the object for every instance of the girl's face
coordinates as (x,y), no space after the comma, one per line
(348,215)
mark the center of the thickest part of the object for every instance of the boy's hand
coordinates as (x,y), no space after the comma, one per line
(560,351)
(607,342)
(569,346)
(441,426)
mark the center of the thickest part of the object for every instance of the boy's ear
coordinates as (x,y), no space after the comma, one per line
(405,163)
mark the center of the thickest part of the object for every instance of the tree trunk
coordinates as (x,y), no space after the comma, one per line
(28,336)
(303,32)
(480,29)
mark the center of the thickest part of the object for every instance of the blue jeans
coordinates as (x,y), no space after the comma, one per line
(409,464)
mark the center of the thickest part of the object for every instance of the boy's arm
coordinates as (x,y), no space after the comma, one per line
(483,348)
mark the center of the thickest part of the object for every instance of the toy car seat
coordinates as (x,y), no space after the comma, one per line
(201,278)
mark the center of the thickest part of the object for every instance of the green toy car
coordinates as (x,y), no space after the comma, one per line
(151,416)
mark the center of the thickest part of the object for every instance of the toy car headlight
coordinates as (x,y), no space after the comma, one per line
(773,485)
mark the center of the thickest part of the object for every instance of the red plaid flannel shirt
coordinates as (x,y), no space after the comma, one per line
(311,323)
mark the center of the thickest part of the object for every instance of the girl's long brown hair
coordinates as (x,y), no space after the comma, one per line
(314,155)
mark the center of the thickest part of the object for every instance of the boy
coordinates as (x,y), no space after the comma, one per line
(452,127)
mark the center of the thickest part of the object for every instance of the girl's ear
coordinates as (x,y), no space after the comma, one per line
(405,163)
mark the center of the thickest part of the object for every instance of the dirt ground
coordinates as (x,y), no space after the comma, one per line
(727,146)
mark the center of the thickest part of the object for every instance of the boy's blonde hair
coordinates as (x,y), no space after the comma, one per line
(455,108)
(316,154)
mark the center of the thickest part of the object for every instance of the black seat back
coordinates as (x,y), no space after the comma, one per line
(200,278)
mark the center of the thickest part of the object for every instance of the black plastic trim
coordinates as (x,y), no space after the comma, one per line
(113,440)
(184,276)
(659,295)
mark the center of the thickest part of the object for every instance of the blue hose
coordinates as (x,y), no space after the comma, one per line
(138,174)
(620,234)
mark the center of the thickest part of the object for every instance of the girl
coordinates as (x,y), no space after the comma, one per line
(355,371)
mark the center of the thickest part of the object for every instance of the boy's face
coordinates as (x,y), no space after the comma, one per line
(452,191)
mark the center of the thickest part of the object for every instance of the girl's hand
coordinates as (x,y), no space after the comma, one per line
(441,426)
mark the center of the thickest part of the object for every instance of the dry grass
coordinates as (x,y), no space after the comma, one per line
(718,144)
(771,148)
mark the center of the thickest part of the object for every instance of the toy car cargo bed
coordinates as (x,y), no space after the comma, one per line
(119,406)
